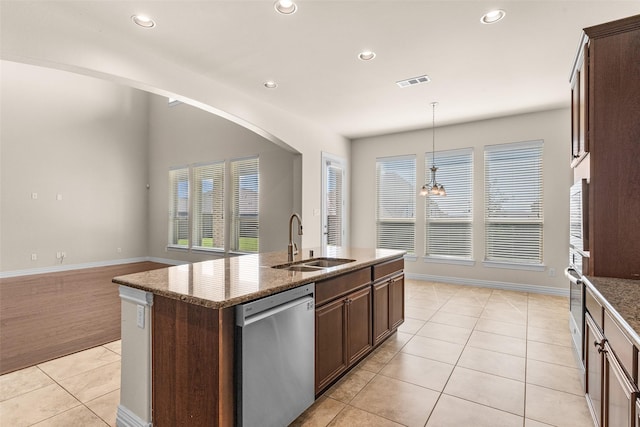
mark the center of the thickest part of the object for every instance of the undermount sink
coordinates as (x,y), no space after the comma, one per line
(313,264)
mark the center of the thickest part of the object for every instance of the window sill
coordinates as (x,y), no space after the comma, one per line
(410,258)
(514,266)
(216,251)
(452,261)
(177,248)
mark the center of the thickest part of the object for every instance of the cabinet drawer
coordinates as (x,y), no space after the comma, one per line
(326,290)
(387,268)
(594,308)
(621,345)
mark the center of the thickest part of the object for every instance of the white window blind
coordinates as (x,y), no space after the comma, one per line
(245,179)
(179,207)
(449,226)
(513,202)
(396,203)
(208,215)
(334,204)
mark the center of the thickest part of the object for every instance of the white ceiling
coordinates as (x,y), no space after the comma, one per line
(518,65)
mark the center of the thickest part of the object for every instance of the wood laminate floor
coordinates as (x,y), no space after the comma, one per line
(46,316)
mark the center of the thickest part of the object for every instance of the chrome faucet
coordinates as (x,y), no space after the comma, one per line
(292,249)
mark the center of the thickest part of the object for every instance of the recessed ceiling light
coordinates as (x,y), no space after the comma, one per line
(143,21)
(270,84)
(366,55)
(493,16)
(285,7)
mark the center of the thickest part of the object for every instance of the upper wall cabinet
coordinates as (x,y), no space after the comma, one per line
(579,102)
(606,140)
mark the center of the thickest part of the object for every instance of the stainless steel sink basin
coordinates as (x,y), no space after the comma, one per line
(313,264)
(300,268)
(328,262)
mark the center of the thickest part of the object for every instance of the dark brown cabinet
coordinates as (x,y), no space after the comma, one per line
(353,316)
(388,307)
(343,324)
(594,346)
(579,102)
(605,149)
(619,393)
(610,364)
(638,413)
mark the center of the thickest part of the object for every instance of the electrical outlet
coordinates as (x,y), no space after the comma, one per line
(140,316)
(34,196)
(59,196)
(58,255)
(119,250)
(34,257)
(552,272)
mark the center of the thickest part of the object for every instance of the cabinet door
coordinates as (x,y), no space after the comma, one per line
(396,302)
(359,337)
(594,369)
(638,412)
(620,394)
(381,294)
(331,342)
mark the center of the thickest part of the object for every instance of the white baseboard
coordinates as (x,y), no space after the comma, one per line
(521,287)
(126,418)
(69,267)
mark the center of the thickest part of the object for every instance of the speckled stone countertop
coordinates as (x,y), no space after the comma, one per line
(621,296)
(230,281)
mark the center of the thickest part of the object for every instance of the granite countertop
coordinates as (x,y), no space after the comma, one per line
(227,282)
(621,296)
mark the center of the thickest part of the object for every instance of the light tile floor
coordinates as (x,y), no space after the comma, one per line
(465,356)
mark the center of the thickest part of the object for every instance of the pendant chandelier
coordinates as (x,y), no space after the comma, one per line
(433,188)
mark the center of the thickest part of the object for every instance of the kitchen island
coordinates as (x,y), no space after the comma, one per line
(186,364)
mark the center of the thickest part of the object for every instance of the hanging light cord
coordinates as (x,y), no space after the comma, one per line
(433,133)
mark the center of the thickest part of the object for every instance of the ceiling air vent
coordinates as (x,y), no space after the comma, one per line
(413,81)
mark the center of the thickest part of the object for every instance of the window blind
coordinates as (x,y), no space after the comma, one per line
(245,179)
(179,207)
(208,216)
(334,205)
(449,226)
(396,203)
(513,202)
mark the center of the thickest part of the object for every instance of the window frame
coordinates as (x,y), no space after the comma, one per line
(194,200)
(459,193)
(530,192)
(396,190)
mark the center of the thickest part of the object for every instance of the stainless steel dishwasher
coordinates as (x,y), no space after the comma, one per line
(275,360)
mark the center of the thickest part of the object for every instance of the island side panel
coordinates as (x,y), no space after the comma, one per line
(192,364)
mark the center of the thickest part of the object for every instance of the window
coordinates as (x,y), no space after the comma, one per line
(448,225)
(396,203)
(245,207)
(208,215)
(513,202)
(333,196)
(198,201)
(179,207)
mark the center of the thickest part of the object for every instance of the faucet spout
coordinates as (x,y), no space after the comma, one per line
(292,248)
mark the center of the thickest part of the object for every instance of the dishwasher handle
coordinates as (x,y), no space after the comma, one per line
(573,278)
(308,300)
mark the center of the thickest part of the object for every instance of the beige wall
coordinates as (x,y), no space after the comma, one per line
(552,126)
(85,139)
(183,135)
(99,144)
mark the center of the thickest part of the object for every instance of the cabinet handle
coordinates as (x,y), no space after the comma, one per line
(601,350)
